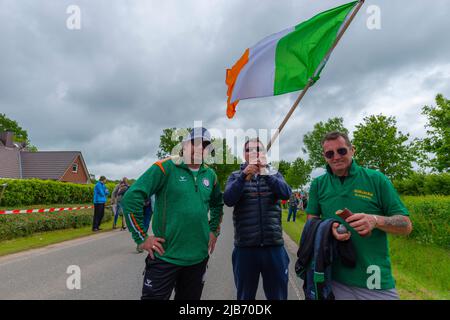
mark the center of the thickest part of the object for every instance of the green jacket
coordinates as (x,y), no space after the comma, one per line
(181,209)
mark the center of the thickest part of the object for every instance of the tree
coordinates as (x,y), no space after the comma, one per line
(313,139)
(438,140)
(223,162)
(299,173)
(170,138)
(379,145)
(283,167)
(20,134)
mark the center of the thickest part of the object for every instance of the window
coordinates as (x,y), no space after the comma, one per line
(74,168)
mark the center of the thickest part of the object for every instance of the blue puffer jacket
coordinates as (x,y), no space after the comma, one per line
(317,251)
(100,193)
(257,211)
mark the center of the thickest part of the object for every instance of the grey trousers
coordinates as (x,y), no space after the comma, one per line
(343,292)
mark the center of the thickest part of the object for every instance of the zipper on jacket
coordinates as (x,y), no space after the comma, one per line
(200,170)
(194,178)
(261,241)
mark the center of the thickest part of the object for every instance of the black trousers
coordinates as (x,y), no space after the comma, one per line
(99,212)
(161,277)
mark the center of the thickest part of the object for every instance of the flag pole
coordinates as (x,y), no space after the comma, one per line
(311,81)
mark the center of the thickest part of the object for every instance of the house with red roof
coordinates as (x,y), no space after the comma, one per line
(16,162)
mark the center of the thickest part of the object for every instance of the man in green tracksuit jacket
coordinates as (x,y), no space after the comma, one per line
(186,190)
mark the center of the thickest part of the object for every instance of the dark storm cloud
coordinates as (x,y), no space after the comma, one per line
(137,67)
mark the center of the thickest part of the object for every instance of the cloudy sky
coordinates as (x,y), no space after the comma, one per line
(137,67)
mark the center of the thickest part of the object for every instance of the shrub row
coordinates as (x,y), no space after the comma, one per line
(22,225)
(430,216)
(424,184)
(35,191)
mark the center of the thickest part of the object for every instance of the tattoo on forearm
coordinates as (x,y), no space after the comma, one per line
(396,221)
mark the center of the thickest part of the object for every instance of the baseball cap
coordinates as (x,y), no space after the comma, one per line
(198,132)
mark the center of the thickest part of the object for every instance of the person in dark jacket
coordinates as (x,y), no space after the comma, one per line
(258,238)
(293,203)
(116,199)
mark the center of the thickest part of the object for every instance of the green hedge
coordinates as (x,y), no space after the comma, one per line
(430,216)
(424,184)
(35,191)
(22,225)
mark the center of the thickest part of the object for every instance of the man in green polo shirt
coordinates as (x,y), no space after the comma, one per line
(377,210)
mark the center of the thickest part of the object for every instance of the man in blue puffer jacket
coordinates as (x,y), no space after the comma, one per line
(100,193)
(258,236)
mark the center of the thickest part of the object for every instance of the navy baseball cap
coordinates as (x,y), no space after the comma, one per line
(196,133)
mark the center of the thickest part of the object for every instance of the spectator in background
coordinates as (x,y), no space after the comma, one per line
(305,201)
(293,203)
(114,204)
(116,199)
(299,201)
(100,193)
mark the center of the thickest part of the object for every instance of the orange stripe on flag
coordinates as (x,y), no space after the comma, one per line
(231,77)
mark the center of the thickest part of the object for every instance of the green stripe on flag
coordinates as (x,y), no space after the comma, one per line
(299,53)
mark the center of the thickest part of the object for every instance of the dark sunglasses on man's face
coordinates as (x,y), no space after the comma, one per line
(254,149)
(204,143)
(341,151)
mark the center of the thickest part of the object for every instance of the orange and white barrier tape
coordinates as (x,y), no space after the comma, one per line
(44,210)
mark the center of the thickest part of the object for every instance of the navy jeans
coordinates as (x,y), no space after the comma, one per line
(117,212)
(271,263)
(292,212)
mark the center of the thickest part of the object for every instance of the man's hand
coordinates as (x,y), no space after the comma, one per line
(153,243)
(338,236)
(251,170)
(212,242)
(362,223)
(262,160)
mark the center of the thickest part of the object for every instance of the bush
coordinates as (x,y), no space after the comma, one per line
(35,191)
(430,216)
(22,225)
(424,184)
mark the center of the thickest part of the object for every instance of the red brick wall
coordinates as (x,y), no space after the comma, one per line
(79,177)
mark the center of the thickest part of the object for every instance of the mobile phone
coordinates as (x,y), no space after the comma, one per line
(344,214)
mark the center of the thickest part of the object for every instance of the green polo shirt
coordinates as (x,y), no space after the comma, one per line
(362,191)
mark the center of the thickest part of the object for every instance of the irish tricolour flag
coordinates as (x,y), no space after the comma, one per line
(287,60)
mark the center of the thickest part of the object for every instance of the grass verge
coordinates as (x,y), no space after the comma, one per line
(42,239)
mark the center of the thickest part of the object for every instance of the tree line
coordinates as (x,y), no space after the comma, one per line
(378,142)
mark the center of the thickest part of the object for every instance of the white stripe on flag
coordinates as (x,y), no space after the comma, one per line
(257,77)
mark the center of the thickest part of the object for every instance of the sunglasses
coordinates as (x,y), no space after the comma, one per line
(341,151)
(254,149)
(205,144)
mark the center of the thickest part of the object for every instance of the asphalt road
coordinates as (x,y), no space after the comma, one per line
(110,268)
